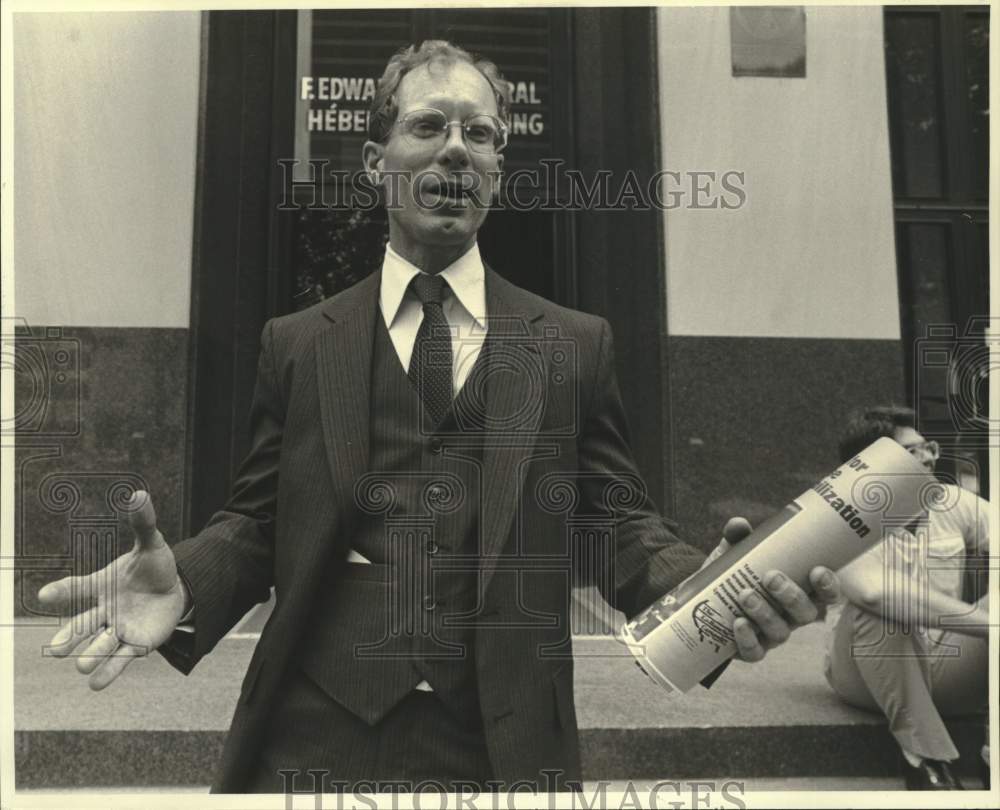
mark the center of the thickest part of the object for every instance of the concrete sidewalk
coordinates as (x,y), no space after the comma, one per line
(777,719)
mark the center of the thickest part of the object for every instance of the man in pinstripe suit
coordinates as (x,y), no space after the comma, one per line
(420,443)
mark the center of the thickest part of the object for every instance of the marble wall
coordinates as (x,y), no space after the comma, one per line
(756,420)
(114,421)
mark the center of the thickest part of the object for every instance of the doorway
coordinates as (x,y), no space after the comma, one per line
(339,56)
(585,91)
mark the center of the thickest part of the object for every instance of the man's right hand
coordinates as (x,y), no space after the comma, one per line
(127,609)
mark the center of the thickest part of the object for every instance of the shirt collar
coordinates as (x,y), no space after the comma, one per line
(466,277)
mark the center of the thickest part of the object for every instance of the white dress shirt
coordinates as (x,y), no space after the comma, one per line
(464,307)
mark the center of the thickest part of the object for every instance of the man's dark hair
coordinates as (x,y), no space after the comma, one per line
(384,108)
(866,426)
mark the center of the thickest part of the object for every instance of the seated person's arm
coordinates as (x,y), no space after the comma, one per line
(892,592)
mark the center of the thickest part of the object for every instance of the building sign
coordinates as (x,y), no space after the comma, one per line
(353,95)
(342,54)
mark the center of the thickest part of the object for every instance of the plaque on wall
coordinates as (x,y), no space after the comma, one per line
(768,41)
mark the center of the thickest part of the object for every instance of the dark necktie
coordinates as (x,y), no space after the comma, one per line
(431,363)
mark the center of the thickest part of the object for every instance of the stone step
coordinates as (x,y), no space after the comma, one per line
(776,719)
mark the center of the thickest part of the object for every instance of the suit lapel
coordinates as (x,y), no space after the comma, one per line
(343,356)
(515,403)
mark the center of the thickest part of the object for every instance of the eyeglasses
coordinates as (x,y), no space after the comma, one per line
(483,133)
(931,448)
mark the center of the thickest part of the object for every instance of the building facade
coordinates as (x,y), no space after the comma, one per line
(773,247)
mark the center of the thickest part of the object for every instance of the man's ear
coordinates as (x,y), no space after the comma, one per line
(373,158)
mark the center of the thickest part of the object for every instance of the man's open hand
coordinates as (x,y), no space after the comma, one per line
(766,627)
(125,610)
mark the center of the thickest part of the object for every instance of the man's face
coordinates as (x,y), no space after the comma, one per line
(428,208)
(917,446)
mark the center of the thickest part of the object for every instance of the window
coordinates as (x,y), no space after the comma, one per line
(938,94)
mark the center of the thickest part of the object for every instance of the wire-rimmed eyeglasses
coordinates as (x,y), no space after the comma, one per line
(930,448)
(483,133)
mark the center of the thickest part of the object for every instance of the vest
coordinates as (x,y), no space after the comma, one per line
(417,520)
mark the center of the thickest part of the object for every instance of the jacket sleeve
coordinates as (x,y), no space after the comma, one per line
(646,559)
(229,566)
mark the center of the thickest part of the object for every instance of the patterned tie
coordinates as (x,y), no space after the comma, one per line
(431,362)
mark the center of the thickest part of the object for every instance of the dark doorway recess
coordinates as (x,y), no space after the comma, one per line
(594,74)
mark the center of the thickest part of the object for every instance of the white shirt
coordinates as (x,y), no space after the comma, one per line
(464,307)
(934,555)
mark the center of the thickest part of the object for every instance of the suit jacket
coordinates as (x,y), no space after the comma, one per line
(557,472)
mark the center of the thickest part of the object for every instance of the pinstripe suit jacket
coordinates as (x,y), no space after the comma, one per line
(556,448)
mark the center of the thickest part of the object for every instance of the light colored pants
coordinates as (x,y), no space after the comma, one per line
(914,681)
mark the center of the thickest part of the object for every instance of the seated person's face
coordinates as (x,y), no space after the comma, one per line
(926,452)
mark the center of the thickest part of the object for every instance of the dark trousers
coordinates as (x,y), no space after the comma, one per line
(418,746)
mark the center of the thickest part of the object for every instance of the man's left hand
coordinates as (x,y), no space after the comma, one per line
(765,626)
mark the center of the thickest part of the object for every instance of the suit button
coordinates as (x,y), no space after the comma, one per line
(429,603)
(436,444)
(431,547)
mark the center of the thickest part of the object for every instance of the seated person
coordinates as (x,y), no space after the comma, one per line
(906,644)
